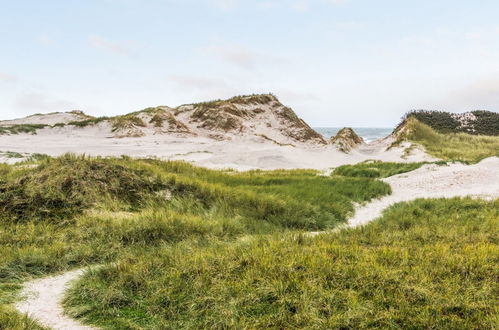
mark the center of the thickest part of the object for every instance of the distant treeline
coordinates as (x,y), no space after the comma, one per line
(479,122)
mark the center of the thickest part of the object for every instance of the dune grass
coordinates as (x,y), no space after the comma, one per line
(173,239)
(451,146)
(58,214)
(21,128)
(376,169)
(428,264)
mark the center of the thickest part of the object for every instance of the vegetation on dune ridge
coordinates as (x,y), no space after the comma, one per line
(21,128)
(346,139)
(224,115)
(477,122)
(448,146)
(241,99)
(88,122)
(425,264)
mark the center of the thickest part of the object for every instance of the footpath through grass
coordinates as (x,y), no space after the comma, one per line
(63,213)
(428,264)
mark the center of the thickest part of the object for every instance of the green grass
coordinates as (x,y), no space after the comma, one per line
(62,213)
(126,122)
(88,122)
(11,154)
(428,264)
(452,146)
(187,247)
(23,128)
(376,169)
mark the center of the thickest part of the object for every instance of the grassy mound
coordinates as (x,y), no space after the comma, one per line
(63,187)
(425,264)
(375,169)
(346,139)
(449,146)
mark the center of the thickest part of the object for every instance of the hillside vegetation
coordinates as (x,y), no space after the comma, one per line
(475,122)
(241,116)
(61,213)
(448,146)
(429,264)
(187,247)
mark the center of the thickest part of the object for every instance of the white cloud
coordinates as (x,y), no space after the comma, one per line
(8,78)
(41,102)
(481,94)
(102,43)
(46,40)
(226,4)
(336,2)
(242,57)
(350,25)
(301,5)
(196,82)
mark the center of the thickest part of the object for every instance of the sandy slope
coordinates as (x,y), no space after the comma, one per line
(46,119)
(430,181)
(241,153)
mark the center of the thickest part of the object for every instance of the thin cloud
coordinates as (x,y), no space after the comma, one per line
(46,40)
(226,4)
(349,25)
(196,82)
(7,78)
(303,5)
(105,44)
(41,102)
(482,94)
(203,88)
(242,57)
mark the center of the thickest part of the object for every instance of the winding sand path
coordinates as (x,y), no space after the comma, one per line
(44,296)
(44,301)
(432,181)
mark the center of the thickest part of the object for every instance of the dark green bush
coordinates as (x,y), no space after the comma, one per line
(486,122)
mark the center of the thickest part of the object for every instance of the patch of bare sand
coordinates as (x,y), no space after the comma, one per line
(43,301)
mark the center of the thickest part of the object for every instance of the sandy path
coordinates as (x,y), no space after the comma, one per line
(44,301)
(430,181)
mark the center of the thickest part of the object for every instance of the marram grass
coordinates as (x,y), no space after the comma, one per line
(451,146)
(58,214)
(428,264)
(173,239)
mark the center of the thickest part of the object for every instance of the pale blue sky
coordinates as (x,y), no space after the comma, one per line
(336,62)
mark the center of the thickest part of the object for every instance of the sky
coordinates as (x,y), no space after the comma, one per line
(359,63)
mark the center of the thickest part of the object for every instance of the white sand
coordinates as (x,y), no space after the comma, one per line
(432,181)
(240,153)
(43,301)
(46,119)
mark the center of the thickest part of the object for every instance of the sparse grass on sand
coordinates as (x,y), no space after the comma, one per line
(451,146)
(22,128)
(62,213)
(428,264)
